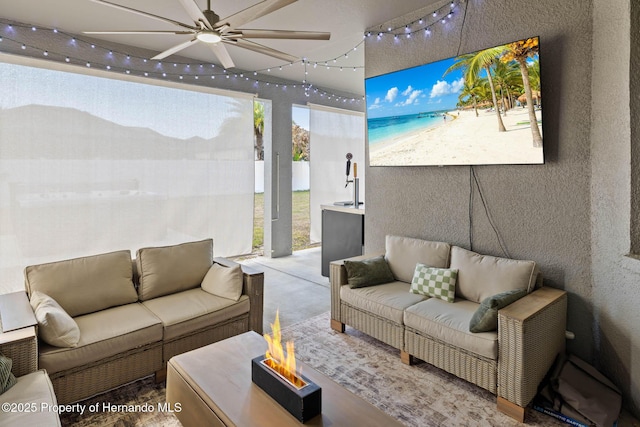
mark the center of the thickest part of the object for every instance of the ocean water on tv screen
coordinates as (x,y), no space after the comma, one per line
(385,128)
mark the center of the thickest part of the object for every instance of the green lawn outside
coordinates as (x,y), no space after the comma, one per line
(301,222)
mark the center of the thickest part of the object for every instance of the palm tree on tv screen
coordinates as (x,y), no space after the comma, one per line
(472,64)
(507,77)
(520,51)
(470,92)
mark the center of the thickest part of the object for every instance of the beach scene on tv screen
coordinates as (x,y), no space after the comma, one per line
(483,107)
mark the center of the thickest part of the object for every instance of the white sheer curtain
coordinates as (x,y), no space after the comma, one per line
(90,164)
(333,133)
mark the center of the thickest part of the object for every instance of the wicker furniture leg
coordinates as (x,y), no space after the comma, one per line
(511,409)
(161,375)
(337,326)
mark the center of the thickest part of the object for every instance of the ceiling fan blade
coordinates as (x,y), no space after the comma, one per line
(138,32)
(222,54)
(253,12)
(142,13)
(195,13)
(175,49)
(246,44)
(283,34)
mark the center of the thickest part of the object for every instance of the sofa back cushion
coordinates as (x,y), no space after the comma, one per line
(85,285)
(482,276)
(169,269)
(403,253)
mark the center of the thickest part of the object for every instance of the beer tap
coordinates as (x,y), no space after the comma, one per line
(349,157)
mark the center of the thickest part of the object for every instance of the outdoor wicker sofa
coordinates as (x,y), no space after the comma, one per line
(28,401)
(510,362)
(134,315)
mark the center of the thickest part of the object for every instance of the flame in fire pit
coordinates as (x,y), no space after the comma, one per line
(276,359)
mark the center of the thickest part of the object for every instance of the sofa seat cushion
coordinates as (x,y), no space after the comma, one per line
(449,323)
(193,310)
(104,334)
(34,389)
(387,301)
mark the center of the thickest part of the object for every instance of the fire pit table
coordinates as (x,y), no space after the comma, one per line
(212,386)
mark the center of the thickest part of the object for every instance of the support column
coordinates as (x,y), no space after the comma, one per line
(278,175)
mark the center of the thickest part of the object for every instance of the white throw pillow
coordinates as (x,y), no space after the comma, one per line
(55,326)
(225,282)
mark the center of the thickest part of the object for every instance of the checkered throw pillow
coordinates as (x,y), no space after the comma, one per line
(434,282)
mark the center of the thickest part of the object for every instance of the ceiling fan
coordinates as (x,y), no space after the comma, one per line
(208,28)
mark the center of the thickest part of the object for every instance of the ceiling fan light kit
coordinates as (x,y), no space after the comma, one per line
(209,37)
(215,32)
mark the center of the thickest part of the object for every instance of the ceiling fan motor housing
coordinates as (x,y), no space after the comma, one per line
(211,16)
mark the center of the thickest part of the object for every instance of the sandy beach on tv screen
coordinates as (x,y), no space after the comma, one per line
(463,140)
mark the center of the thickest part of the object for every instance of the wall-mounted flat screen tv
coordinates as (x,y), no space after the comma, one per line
(479,108)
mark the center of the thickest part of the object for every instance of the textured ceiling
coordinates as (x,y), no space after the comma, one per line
(346,20)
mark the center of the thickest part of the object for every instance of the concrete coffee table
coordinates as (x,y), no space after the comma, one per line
(213,387)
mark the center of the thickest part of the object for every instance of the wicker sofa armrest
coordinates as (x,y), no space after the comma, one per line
(338,278)
(531,333)
(253,286)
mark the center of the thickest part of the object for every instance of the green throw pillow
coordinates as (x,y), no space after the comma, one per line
(434,282)
(368,272)
(485,318)
(7,379)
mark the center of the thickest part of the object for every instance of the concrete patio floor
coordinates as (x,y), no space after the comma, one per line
(293,285)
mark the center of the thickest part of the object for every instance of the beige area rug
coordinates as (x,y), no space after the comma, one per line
(418,395)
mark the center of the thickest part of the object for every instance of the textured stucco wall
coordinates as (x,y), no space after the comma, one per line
(616,277)
(541,211)
(571,214)
(634,89)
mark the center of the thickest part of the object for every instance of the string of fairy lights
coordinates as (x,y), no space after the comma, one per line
(122,62)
